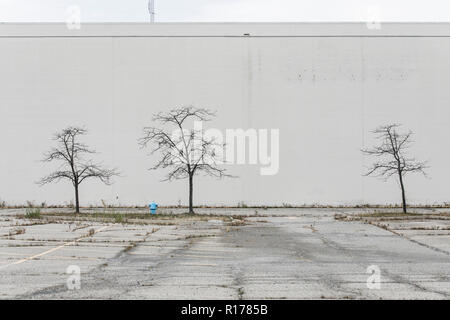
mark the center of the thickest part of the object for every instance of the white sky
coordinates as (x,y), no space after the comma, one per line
(228,10)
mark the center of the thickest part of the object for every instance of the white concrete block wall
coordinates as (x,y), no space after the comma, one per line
(324,86)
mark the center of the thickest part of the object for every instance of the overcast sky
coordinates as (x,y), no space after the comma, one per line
(228,10)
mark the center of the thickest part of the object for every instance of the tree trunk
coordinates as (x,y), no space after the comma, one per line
(191,191)
(403,192)
(77,200)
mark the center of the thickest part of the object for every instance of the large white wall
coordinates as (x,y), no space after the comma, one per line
(325,89)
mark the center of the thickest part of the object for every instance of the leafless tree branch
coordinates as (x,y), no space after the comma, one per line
(392,152)
(69,151)
(187,154)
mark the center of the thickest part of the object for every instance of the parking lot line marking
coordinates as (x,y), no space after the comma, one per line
(50,250)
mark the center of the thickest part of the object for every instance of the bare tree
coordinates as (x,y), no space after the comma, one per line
(187,152)
(393,158)
(69,152)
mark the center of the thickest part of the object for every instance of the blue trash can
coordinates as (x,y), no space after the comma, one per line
(153,206)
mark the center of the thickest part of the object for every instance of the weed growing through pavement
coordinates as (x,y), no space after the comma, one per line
(33,213)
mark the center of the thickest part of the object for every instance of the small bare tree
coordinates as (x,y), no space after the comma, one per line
(69,152)
(392,156)
(186,152)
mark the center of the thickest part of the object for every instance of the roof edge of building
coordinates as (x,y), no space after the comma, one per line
(227,29)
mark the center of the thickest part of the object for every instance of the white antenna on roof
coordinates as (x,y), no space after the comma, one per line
(151,10)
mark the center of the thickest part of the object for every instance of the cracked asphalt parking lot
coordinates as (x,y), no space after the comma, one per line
(270,254)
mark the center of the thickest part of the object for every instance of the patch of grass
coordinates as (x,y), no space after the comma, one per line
(118,218)
(33,213)
(393,216)
(436,228)
(381,214)
(194,236)
(133,217)
(164,223)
